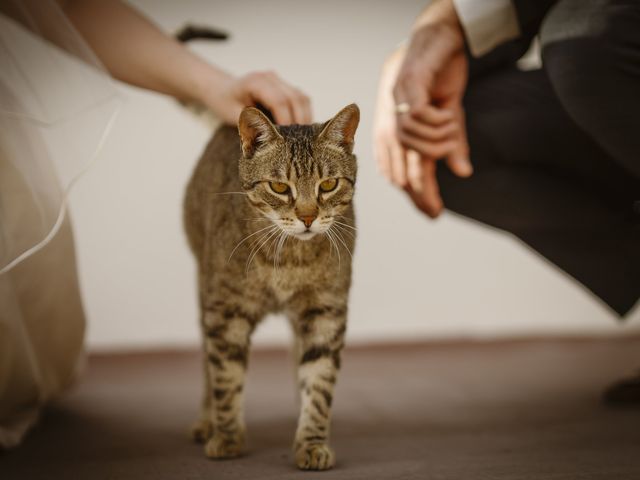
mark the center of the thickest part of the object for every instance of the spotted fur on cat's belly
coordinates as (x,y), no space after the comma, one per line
(269,218)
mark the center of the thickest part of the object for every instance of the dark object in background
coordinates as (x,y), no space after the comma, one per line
(193,32)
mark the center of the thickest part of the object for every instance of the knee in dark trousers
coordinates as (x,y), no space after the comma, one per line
(591,54)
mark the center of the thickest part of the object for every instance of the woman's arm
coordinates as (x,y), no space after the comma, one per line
(137,52)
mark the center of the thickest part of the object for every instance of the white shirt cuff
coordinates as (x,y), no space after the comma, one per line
(487,23)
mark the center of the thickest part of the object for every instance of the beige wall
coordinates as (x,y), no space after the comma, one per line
(414,278)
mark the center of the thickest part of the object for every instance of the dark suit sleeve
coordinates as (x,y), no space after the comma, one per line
(530,15)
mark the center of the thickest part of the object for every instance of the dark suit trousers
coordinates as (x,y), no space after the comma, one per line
(556,151)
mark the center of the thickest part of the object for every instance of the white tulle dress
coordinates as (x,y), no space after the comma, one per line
(56,107)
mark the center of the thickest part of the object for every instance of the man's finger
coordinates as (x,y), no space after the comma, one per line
(430,189)
(418,201)
(416,198)
(426,148)
(430,115)
(458,160)
(431,133)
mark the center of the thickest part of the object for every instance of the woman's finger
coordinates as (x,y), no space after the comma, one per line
(299,104)
(414,171)
(410,89)
(383,158)
(305,106)
(267,92)
(398,163)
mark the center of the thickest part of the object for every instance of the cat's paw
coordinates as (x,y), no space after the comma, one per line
(225,446)
(201,431)
(318,456)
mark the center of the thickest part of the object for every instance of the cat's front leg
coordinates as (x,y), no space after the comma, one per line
(227,332)
(201,430)
(320,331)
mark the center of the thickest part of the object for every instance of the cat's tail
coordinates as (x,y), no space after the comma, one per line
(189,33)
(195,32)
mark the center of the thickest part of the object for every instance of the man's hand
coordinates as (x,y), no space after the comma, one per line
(419,117)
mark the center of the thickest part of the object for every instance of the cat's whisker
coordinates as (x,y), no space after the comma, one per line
(276,250)
(270,235)
(261,234)
(227,193)
(261,242)
(332,238)
(281,240)
(274,245)
(247,238)
(258,241)
(256,219)
(286,237)
(346,225)
(341,239)
(345,231)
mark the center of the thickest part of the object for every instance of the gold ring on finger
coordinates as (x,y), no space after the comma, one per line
(403,107)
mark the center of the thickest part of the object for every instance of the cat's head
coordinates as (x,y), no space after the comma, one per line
(301,177)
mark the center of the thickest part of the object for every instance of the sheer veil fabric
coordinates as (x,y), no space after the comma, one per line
(57,105)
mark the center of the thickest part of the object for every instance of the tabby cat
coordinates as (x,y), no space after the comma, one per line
(269,217)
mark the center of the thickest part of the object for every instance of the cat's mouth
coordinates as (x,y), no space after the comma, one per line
(306,235)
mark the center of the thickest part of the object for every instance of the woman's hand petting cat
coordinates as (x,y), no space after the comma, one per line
(419,115)
(136,51)
(230,95)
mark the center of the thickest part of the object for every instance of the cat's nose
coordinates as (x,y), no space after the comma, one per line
(307,219)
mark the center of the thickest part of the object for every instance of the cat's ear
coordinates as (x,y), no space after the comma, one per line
(341,129)
(255,131)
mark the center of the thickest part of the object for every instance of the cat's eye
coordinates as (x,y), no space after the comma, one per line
(279,187)
(328,185)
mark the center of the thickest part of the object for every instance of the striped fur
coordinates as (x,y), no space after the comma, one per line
(257,256)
